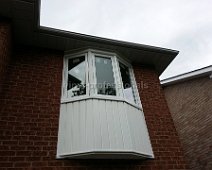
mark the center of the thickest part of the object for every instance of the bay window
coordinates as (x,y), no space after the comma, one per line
(100,112)
(98,74)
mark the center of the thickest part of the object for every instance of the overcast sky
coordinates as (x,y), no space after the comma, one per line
(184,25)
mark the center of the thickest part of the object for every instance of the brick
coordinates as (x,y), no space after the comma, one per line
(6,164)
(30,109)
(190,106)
(17,159)
(23,153)
(22,164)
(39,164)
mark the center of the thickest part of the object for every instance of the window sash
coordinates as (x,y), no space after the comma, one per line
(132,93)
(95,93)
(65,76)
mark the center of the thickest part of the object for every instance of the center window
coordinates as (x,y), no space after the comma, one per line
(105,76)
(98,74)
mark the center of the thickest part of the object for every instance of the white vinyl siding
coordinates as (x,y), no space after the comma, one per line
(103,126)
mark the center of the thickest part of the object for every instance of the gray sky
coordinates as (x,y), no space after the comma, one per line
(184,25)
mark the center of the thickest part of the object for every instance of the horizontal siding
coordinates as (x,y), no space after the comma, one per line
(102,126)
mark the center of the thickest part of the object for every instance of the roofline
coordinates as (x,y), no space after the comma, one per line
(205,71)
(65,33)
(59,39)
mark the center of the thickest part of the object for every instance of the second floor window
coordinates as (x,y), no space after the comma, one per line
(76,85)
(104,76)
(98,74)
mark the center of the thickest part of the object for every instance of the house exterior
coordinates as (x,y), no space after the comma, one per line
(189,98)
(73,101)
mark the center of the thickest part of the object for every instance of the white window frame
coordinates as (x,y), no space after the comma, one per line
(132,80)
(112,57)
(65,77)
(91,77)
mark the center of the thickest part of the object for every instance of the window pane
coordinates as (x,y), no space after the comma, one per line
(76,77)
(128,91)
(104,76)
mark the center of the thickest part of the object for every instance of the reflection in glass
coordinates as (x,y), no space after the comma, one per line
(128,91)
(104,76)
(76,77)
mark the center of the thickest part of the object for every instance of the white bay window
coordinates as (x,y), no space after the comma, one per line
(98,74)
(101,114)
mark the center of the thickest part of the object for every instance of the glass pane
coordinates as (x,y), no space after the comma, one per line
(104,76)
(128,91)
(76,77)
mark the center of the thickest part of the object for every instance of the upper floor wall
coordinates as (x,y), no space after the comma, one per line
(30,115)
(5,48)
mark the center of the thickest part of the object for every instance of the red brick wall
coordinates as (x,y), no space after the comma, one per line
(29,115)
(29,109)
(190,103)
(163,135)
(5,48)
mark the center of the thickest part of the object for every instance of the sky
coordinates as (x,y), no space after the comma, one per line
(183,25)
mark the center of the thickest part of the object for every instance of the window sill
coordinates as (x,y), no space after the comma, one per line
(100,97)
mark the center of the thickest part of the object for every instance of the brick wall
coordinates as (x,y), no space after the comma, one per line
(163,135)
(29,115)
(29,109)
(190,105)
(5,48)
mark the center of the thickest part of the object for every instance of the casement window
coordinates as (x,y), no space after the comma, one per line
(98,74)
(76,76)
(100,114)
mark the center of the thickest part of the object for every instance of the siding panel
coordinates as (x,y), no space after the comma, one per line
(97,125)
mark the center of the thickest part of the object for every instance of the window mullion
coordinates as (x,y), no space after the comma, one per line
(92,75)
(65,78)
(119,84)
(87,75)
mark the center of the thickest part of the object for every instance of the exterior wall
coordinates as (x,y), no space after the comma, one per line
(29,115)
(190,105)
(165,141)
(5,48)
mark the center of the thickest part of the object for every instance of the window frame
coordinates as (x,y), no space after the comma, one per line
(65,76)
(112,57)
(132,80)
(91,77)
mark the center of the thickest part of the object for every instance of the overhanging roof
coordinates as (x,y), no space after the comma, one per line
(25,15)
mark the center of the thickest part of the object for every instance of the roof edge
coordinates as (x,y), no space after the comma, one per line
(205,71)
(48,37)
(66,33)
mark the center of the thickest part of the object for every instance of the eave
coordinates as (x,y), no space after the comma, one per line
(25,16)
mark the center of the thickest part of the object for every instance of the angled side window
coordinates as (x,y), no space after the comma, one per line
(127,84)
(76,80)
